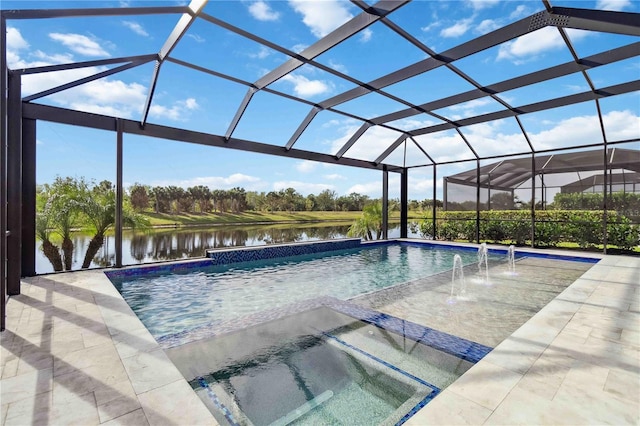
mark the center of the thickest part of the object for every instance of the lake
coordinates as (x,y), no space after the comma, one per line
(182,243)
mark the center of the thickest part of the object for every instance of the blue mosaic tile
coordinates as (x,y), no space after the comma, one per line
(165,268)
(453,345)
(417,408)
(497,251)
(216,401)
(270,252)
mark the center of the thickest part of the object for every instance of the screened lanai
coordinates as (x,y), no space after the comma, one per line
(421,101)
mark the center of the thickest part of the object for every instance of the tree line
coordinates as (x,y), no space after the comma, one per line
(201,199)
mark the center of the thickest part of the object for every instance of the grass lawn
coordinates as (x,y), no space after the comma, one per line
(249,217)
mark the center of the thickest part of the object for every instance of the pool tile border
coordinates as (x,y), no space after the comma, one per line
(223,257)
(236,255)
(249,254)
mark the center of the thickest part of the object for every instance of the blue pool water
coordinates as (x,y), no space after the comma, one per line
(367,335)
(171,303)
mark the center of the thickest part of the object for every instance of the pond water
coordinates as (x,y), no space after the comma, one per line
(182,243)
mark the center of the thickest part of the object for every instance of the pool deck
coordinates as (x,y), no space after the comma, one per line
(74,353)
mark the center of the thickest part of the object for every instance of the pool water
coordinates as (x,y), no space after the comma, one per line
(307,369)
(361,336)
(168,304)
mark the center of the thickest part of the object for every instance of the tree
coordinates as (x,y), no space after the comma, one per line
(202,195)
(99,208)
(62,214)
(371,221)
(326,200)
(218,196)
(43,231)
(139,197)
(502,201)
(162,201)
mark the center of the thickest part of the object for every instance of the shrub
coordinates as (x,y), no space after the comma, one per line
(583,227)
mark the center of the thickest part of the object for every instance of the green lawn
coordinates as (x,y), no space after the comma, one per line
(249,217)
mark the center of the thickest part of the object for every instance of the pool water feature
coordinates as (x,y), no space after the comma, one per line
(315,367)
(170,303)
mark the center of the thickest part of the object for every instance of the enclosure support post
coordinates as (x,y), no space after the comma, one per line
(604,199)
(433,207)
(478,201)
(444,194)
(404,204)
(14,184)
(28,197)
(533,200)
(3,171)
(119,194)
(489,192)
(385,203)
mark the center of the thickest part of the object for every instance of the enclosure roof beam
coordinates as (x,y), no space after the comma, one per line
(604,58)
(331,40)
(86,79)
(476,45)
(365,126)
(433,162)
(185,21)
(617,89)
(605,21)
(90,12)
(390,149)
(84,64)
(269,90)
(103,122)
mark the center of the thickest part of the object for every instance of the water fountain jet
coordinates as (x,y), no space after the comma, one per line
(457,276)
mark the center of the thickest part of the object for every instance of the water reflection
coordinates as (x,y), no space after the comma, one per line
(170,244)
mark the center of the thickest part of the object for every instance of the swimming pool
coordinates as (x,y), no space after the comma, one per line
(240,333)
(171,303)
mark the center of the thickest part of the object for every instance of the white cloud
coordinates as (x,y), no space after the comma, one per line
(537,42)
(80,44)
(306,166)
(250,183)
(334,176)
(366,188)
(304,87)
(519,12)
(196,37)
(304,188)
(431,26)
(190,103)
(136,28)
(482,4)
(365,35)
(370,145)
(338,66)
(487,26)
(103,96)
(175,112)
(621,125)
(457,29)
(261,54)
(297,48)
(15,40)
(263,12)
(321,17)
(56,58)
(616,5)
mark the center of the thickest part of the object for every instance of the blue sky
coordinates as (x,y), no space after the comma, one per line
(195,101)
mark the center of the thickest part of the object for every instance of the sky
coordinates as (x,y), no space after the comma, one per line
(196,101)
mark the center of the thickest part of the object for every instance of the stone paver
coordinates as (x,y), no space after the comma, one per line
(75,353)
